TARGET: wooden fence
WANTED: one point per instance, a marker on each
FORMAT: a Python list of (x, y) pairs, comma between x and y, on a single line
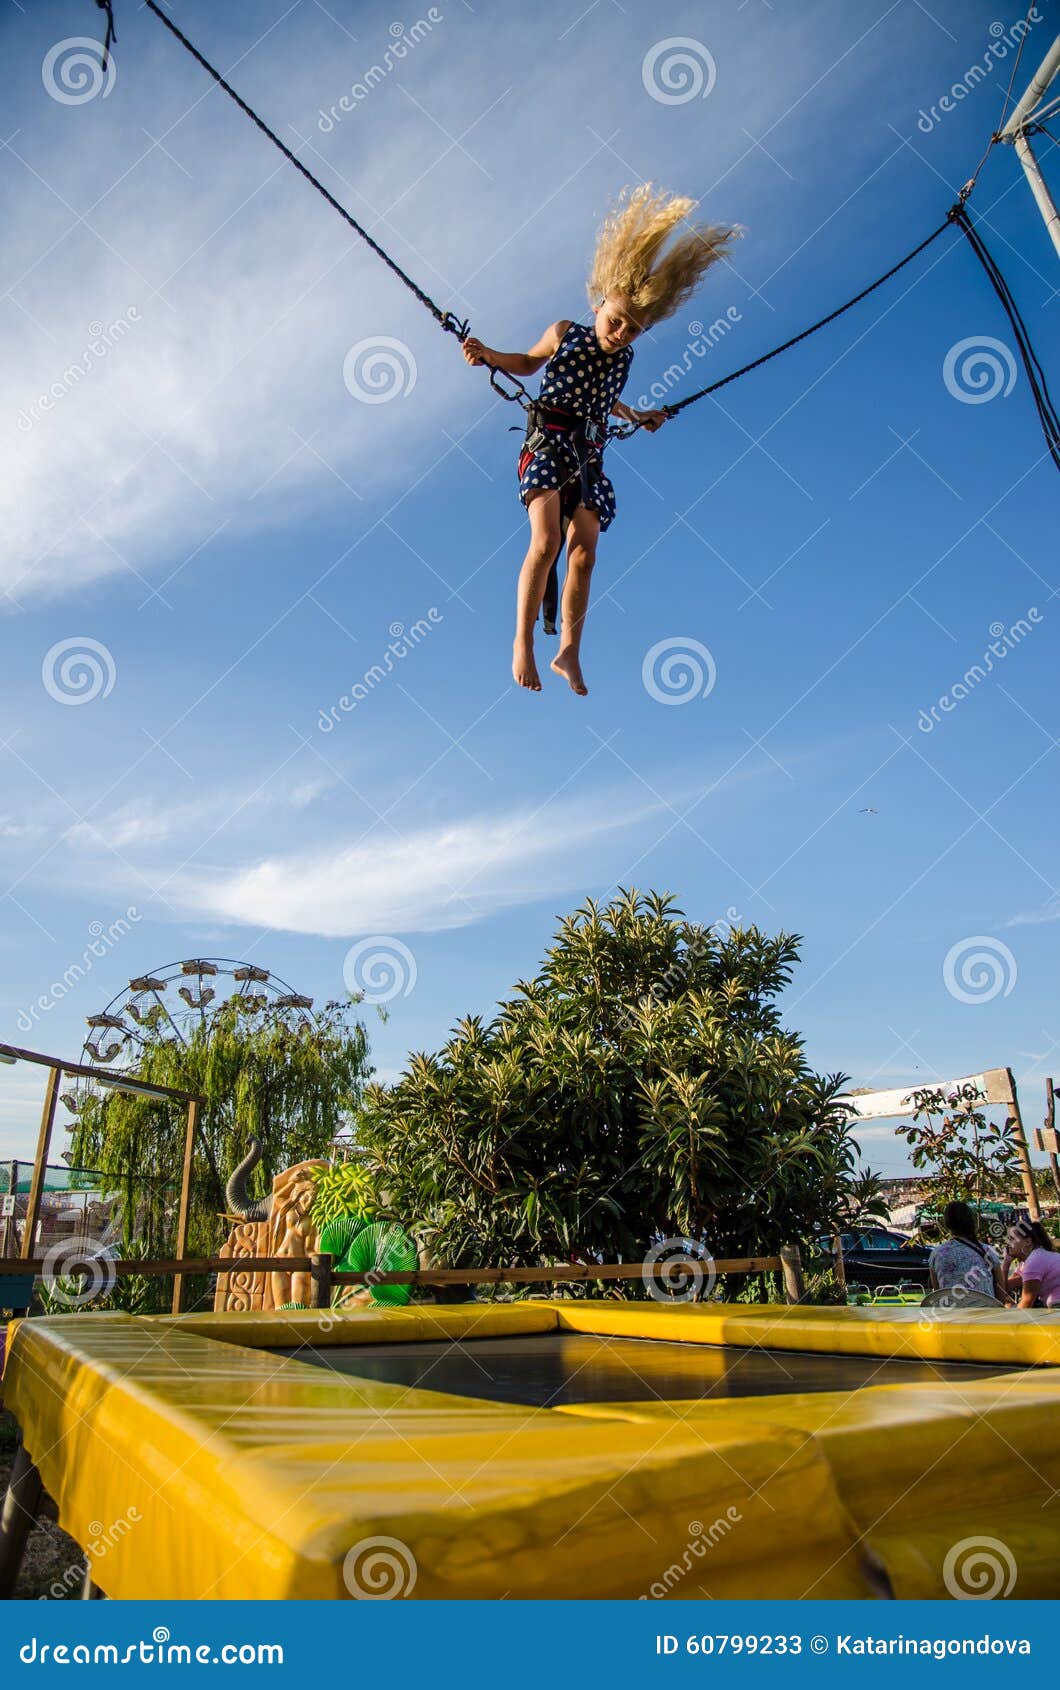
[(324, 1278)]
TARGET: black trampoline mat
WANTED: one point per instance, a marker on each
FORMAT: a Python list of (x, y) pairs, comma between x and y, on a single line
[(544, 1370)]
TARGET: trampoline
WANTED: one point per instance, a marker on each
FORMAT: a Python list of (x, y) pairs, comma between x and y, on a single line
[(573, 1448), (553, 1369)]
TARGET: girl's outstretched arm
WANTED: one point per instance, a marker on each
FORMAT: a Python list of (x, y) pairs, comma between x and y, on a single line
[(517, 363), (651, 420)]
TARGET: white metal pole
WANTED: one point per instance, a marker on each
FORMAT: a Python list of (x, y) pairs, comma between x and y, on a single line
[(1038, 84), (1014, 133), (1039, 188)]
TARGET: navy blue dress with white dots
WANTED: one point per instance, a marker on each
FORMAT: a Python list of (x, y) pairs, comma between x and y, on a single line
[(579, 377)]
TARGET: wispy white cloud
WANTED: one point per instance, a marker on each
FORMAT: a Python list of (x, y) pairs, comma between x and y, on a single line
[(429, 880), (148, 821), (1049, 911)]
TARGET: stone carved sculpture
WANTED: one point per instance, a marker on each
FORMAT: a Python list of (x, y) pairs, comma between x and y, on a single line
[(277, 1225)]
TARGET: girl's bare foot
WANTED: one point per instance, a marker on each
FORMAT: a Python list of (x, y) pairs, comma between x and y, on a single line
[(524, 669), (566, 663)]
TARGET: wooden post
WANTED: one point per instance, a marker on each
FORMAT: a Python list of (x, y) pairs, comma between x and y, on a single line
[(791, 1265), (1020, 1136), (1050, 1127), (320, 1281), (36, 1190), (185, 1203)]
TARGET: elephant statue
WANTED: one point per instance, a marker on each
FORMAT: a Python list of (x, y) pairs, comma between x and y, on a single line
[(277, 1225)]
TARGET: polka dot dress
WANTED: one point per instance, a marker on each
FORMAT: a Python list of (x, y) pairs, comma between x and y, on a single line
[(579, 377)]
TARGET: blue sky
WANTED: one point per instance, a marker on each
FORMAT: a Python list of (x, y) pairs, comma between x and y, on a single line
[(212, 504)]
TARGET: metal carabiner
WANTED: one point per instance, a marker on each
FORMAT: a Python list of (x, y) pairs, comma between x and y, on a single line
[(519, 394)]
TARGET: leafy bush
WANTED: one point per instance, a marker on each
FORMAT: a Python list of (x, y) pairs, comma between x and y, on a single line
[(346, 1188), (640, 1087), (969, 1158), (824, 1289)]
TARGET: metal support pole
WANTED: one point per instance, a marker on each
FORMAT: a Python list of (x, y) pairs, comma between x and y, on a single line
[(17, 1518), (9, 1218), (1014, 133), (1039, 188), (1035, 92)]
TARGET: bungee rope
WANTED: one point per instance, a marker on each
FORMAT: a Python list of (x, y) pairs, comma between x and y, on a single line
[(1047, 413), (958, 215), (446, 320), (111, 35), (623, 433), (515, 389)]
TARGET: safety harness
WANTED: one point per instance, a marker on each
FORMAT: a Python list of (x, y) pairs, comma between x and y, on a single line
[(546, 426)]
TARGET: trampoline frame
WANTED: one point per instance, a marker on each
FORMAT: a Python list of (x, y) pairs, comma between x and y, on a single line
[(275, 1470)]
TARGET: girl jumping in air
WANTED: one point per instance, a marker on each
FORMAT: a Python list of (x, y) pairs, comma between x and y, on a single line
[(632, 286)]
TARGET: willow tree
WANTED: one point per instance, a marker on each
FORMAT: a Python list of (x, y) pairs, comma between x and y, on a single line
[(292, 1081), (640, 1087)]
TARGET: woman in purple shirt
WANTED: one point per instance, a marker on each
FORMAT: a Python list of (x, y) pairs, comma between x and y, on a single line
[(1034, 1258)]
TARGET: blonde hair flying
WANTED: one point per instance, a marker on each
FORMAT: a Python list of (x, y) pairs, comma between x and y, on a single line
[(627, 258)]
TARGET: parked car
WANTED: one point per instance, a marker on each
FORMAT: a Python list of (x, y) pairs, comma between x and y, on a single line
[(879, 1256)]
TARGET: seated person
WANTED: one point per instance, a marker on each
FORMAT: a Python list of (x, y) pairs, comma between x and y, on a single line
[(1033, 1258), (963, 1269)]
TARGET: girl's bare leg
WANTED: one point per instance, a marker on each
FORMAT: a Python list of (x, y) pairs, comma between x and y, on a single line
[(543, 510), (582, 535)]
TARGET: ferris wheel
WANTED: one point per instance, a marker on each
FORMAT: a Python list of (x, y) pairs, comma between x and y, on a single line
[(174, 1002)]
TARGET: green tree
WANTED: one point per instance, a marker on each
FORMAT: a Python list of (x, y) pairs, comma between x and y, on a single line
[(293, 1082), (640, 1087), (968, 1157), (864, 1201)]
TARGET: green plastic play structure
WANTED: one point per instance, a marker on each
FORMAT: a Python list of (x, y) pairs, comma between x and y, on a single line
[(360, 1246)]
